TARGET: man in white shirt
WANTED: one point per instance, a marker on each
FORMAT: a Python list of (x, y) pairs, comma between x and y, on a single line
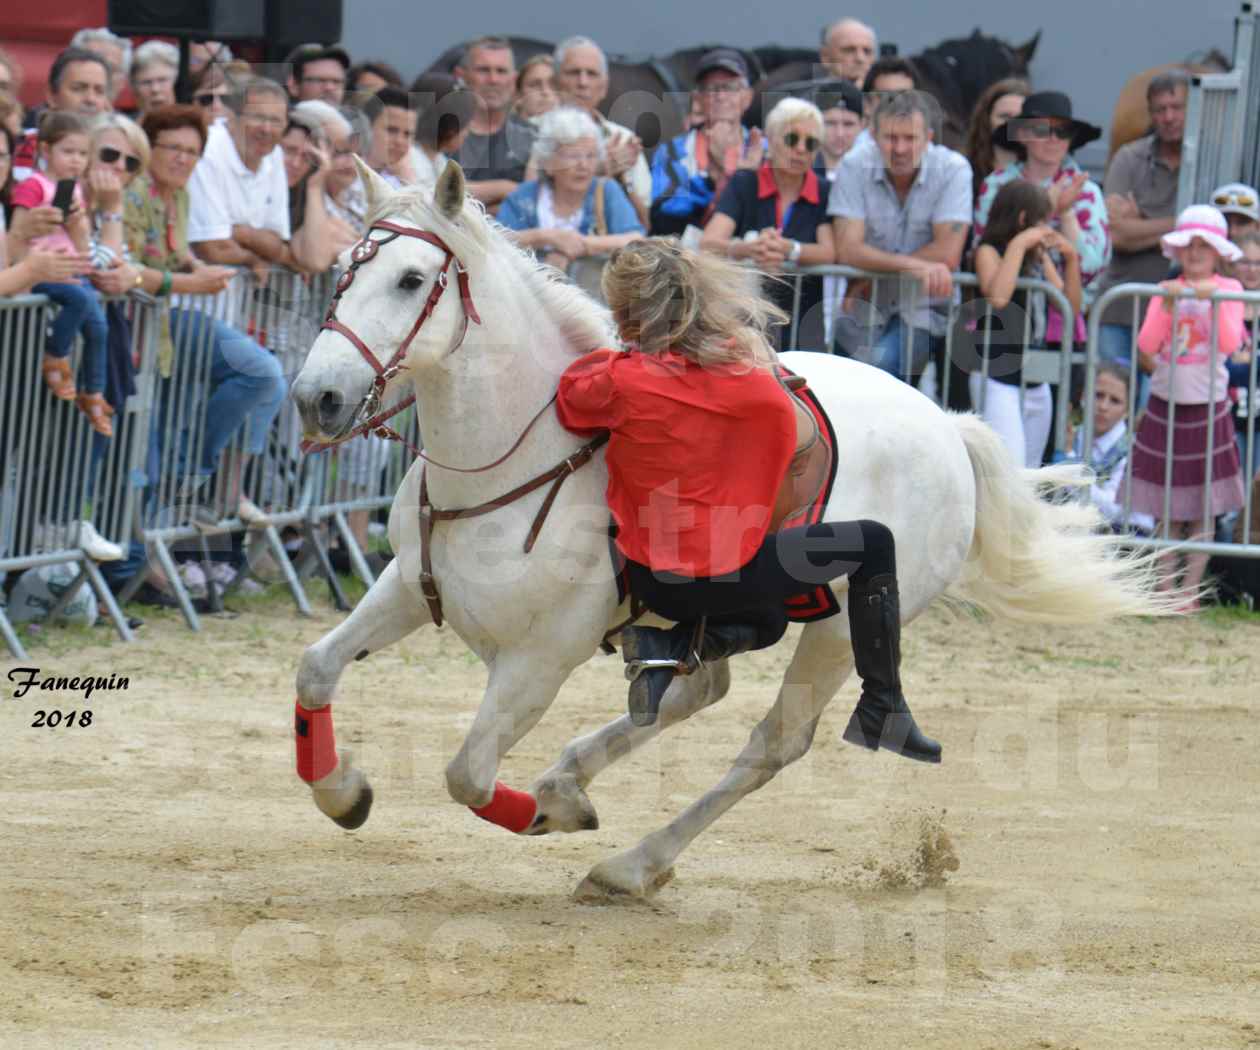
[(238, 193)]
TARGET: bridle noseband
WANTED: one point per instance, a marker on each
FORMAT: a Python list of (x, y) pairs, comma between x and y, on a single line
[(372, 418)]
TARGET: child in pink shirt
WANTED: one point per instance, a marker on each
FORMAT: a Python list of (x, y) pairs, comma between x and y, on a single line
[(63, 146), (1189, 385)]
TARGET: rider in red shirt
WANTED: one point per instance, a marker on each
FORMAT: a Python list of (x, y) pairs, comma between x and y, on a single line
[(695, 395)]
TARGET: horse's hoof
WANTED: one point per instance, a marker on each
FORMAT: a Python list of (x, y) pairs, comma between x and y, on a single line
[(562, 806), (357, 814), (603, 887)]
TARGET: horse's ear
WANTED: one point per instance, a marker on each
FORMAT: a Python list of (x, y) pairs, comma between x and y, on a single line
[(448, 195), (1026, 51), (375, 188)]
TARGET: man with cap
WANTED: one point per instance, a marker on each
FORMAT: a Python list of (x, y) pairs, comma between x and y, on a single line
[(1141, 186), (318, 72), (690, 171)]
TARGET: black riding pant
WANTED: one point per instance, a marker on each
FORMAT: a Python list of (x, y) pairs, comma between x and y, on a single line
[(788, 563)]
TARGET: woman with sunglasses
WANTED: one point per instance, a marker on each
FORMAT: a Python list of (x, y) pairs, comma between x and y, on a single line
[(1043, 137), (119, 152), (777, 215)]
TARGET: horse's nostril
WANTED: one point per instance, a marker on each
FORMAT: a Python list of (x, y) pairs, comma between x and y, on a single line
[(330, 405)]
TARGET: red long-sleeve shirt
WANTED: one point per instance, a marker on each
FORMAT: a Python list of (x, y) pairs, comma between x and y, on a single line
[(695, 458)]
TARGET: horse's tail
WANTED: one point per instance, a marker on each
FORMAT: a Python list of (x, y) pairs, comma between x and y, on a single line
[(1038, 561)]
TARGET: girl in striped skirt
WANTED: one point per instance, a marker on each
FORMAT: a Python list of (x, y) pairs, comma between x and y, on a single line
[(1188, 413)]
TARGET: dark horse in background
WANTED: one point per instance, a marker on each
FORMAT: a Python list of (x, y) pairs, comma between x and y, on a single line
[(652, 95)]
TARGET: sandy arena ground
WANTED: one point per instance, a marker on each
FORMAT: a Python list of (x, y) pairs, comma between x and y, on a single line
[(1082, 872)]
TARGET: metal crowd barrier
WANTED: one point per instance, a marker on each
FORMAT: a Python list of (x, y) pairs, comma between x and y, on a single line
[(55, 472), (1246, 408), (958, 319)]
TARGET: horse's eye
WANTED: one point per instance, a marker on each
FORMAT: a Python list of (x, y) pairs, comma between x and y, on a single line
[(410, 281)]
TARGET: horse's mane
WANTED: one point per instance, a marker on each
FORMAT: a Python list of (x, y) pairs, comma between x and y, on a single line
[(475, 236)]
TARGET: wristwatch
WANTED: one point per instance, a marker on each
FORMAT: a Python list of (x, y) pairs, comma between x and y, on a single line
[(795, 253)]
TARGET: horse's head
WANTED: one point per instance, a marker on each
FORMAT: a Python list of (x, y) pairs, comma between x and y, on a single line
[(402, 303)]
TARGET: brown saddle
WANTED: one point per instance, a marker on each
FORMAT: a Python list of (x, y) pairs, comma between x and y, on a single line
[(807, 470)]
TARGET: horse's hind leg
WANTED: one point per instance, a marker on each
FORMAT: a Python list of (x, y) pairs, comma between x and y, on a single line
[(562, 801), (822, 661), (388, 612)]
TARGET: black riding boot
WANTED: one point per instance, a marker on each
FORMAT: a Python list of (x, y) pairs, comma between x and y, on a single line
[(674, 648), (882, 717)]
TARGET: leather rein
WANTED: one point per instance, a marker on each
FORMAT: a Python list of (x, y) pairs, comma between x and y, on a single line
[(374, 419)]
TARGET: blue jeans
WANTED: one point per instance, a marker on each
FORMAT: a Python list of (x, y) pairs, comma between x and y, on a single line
[(246, 383), (81, 311), (1115, 346)]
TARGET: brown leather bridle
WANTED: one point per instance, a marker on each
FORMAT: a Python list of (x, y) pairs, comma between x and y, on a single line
[(373, 419), (375, 422)]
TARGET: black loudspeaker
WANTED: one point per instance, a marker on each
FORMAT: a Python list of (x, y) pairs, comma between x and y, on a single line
[(190, 19), (290, 23), (282, 23)]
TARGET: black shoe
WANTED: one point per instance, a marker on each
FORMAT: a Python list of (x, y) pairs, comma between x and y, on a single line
[(147, 594), (674, 646), (882, 717)]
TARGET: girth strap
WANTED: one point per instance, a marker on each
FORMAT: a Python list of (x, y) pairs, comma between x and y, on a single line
[(430, 514)]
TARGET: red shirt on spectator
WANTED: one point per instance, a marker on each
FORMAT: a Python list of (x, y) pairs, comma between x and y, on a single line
[(696, 455)]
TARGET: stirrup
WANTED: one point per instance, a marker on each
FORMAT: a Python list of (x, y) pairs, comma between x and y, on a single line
[(634, 668)]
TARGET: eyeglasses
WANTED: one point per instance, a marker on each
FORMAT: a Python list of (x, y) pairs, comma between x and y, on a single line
[(208, 98), (792, 140), (109, 155), (1234, 199), (1045, 131), (1250, 263), (182, 151), (724, 87)]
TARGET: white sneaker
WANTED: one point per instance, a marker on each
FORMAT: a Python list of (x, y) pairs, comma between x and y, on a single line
[(194, 579), (96, 546)]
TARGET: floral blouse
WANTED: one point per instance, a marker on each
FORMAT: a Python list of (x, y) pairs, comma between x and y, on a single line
[(157, 237)]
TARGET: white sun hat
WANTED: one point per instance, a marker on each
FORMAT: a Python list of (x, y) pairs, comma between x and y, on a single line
[(1239, 198), (1206, 223)]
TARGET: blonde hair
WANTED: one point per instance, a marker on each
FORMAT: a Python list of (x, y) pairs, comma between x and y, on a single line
[(129, 130), (788, 112), (703, 306)]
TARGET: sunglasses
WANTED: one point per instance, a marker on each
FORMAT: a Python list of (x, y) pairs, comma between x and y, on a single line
[(1045, 131), (1237, 200), (208, 98), (792, 140), (109, 155)]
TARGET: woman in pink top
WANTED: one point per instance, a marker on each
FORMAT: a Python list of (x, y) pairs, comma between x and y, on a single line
[(63, 147), (1189, 381)]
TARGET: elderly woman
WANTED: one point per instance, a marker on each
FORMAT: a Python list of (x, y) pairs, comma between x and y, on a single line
[(154, 68), (246, 383), (778, 214), (570, 212), (335, 208), (1043, 136)]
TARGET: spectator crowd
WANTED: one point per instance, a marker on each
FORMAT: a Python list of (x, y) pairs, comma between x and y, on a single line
[(247, 172)]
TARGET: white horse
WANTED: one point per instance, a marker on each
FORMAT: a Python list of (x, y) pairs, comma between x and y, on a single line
[(967, 523)]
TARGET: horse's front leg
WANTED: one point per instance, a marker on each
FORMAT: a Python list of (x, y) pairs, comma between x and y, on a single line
[(563, 804), (523, 684), (389, 611)]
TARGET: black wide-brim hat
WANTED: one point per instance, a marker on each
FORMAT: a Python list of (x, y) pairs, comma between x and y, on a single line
[(1040, 105)]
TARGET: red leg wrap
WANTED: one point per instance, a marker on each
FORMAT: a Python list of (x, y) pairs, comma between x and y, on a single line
[(316, 742), (509, 809)]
